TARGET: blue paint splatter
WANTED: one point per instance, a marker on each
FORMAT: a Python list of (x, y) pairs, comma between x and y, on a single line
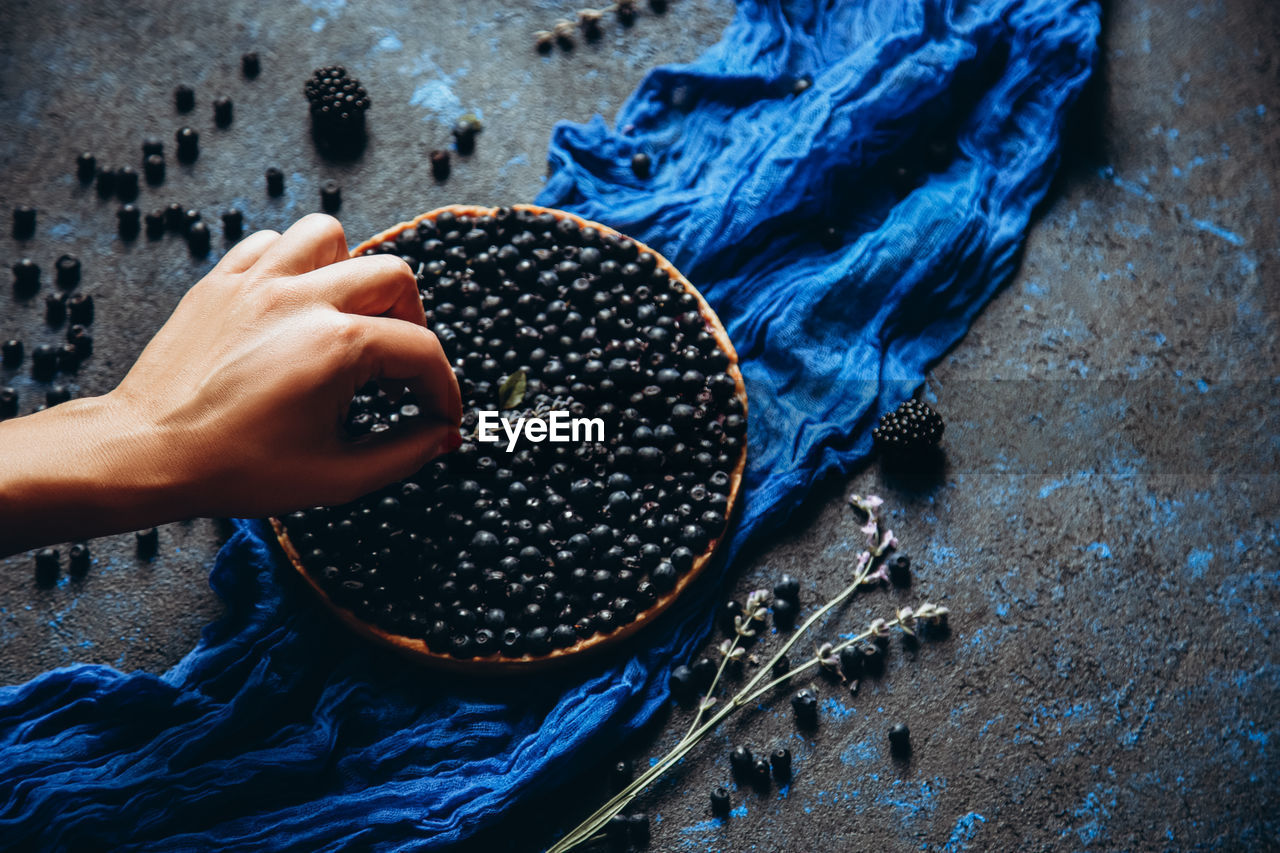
[(966, 827), (1198, 562), (1218, 231)]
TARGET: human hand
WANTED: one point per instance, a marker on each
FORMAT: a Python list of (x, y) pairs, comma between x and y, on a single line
[(240, 397)]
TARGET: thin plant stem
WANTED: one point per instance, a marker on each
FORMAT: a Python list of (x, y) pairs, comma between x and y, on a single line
[(702, 705), (593, 824)]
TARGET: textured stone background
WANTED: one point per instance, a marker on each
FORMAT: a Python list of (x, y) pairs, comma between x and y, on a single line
[(1105, 530)]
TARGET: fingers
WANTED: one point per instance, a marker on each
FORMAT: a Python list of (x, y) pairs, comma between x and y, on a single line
[(314, 241), (374, 462), (245, 254), (395, 350), (372, 285)]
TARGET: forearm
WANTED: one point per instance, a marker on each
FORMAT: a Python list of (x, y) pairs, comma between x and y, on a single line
[(82, 469)]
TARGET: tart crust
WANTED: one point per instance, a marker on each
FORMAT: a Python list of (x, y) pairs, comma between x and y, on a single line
[(497, 664)]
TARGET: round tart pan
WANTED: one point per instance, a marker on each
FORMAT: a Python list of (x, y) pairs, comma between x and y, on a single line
[(417, 649)]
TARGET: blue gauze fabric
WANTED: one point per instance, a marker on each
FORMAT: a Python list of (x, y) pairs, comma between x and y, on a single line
[(275, 732)]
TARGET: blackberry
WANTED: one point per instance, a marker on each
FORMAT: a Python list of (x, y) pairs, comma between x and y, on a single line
[(338, 104), (551, 548), (913, 427), (805, 705)]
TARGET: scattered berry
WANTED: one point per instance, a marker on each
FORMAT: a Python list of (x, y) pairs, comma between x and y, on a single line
[(184, 99), (126, 183), (67, 271), (24, 222), (128, 221), (330, 197), (805, 705), (682, 684), (250, 64), (720, 802), (801, 85), (729, 613), (464, 133), (148, 542), (784, 613), (639, 830), (154, 222), (57, 395), (641, 165), (626, 11), (760, 772), (704, 672), (741, 762), (152, 146), (68, 358), (153, 168), (900, 740), (233, 224), (910, 428), (198, 239), (78, 559), (622, 774), (900, 571), (788, 589), (8, 402), (222, 111), (44, 362), (175, 217), (188, 139), (275, 182), (86, 167), (780, 763), (105, 182), (12, 352), (48, 566), (80, 308), (55, 309), (440, 165), (26, 277)]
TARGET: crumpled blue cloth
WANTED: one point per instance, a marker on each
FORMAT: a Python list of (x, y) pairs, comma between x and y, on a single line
[(929, 132)]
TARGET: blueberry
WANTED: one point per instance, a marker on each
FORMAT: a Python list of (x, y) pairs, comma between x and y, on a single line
[(900, 740), (788, 589), (805, 705), (741, 761), (780, 762), (720, 802), (48, 566), (148, 542)]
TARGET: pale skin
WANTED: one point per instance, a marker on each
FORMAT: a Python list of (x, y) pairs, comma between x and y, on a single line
[(235, 406)]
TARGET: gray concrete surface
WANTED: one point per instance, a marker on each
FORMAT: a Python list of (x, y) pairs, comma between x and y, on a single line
[(1105, 530)]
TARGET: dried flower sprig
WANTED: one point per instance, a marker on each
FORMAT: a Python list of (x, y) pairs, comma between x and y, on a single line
[(591, 24), (869, 568)]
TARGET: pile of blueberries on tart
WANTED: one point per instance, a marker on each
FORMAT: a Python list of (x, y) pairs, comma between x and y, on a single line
[(499, 560)]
